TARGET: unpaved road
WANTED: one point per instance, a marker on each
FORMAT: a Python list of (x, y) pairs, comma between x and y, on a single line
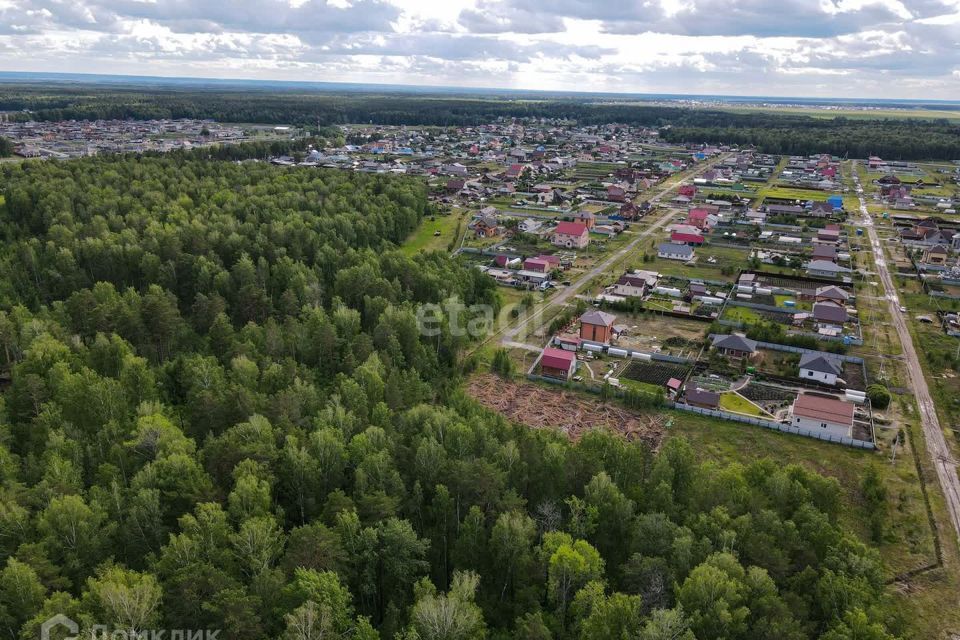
[(933, 434)]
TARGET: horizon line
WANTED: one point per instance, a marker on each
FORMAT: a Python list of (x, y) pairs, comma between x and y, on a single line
[(111, 78)]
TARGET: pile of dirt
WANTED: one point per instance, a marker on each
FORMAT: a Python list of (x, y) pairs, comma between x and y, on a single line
[(570, 413)]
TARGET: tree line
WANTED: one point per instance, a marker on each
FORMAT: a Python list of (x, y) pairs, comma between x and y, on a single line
[(899, 139), (221, 415)]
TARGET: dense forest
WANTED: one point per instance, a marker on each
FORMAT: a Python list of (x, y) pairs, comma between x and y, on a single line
[(902, 139), (221, 415)]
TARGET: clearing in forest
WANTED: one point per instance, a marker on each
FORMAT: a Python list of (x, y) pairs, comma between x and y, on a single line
[(570, 413)]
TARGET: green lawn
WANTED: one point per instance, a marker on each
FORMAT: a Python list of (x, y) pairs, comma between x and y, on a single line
[(423, 239), (733, 401), (741, 314)]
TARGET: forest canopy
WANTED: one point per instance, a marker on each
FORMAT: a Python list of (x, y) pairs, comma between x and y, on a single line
[(221, 415)]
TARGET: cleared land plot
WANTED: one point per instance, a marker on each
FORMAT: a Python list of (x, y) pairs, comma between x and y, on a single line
[(425, 238), (565, 411)]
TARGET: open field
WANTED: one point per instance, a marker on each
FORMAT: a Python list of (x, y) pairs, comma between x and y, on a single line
[(423, 239)]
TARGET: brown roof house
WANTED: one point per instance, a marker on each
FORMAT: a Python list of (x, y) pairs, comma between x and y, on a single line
[(702, 398), (735, 345), (830, 312), (597, 326), (821, 413)]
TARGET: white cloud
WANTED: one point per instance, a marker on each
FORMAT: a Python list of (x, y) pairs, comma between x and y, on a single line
[(882, 48)]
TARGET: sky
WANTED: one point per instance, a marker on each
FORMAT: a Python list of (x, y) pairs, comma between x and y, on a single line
[(807, 48)]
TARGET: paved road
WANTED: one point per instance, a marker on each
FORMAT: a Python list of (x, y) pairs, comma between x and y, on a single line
[(562, 297), (937, 445)]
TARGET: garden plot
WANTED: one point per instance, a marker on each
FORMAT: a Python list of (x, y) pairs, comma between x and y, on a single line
[(771, 398), (655, 373)]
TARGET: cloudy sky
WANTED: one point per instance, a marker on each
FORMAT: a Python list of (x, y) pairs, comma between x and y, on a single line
[(842, 48)]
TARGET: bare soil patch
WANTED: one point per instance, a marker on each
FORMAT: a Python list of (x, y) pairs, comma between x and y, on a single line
[(566, 411)]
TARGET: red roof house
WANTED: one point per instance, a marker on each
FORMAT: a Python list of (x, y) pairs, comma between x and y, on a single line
[(692, 239), (557, 363), (536, 264), (572, 235), (698, 218)]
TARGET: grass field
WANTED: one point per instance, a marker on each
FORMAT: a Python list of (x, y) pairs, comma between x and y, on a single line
[(741, 314), (423, 239), (733, 401)]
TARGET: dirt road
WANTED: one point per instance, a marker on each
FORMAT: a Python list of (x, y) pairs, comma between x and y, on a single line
[(937, 445), (564, 296)]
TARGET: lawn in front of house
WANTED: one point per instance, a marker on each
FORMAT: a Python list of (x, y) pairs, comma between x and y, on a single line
[(736, 403)]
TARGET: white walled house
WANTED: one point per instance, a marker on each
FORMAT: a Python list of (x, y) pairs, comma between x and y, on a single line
[(820, 367), (817, 413), (673, 251)]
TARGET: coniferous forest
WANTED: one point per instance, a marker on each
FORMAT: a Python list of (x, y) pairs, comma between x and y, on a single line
[(221, 415)]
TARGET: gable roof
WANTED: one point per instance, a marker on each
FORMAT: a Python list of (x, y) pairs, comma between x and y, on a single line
[(557, 358), (571, 228), (821, 363), (701, 396), (832, 292), (824, 408)]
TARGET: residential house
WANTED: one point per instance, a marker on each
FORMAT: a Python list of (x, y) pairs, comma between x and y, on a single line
[(702, 398), (597, 326), (691, 239), (831, 293), (701, 219), (536, 264), (828, 235), (572, 235), (735, 345), (825, 269), (616, 193), (820, 210), (936, 255), (557, 363), (673, 251), (825, 252), (830, 312), (820, 413), (485, 225), (630, 286), (820, 367), (784, 210), (513, 172), (455, 185), (586, 218)]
